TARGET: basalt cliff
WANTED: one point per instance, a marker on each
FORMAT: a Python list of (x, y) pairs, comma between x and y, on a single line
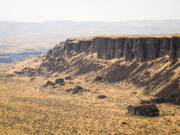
[(150, 62), (133, 47)]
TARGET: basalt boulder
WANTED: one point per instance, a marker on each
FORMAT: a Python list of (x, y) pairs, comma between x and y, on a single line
[(59, 81), (49, 83), (147, 110)]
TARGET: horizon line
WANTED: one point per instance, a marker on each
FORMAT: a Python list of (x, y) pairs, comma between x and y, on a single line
[(138, 20)]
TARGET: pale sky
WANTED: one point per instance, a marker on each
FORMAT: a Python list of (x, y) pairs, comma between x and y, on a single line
[(88, 10)]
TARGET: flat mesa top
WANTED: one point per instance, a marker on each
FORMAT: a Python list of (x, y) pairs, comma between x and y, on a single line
[(86, 38)]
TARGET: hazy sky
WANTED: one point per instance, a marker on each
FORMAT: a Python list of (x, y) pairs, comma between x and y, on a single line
[(88, 10)]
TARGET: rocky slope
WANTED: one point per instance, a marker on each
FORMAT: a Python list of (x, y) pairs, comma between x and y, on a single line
[(148, 61)]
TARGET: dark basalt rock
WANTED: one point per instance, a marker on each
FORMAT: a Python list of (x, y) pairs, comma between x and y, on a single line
[(101, 96), (141, 48), (68, 78), (98, 78), (59, 81), (175, 98), (124, 123), (71, 82), (119, 47), (174, 53), (29, 71), (77, 89), (49, 83), (128, 52), (68, 90), (143, 110), (164, 46)]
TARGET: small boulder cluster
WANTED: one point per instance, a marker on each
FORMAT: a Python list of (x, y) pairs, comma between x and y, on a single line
[(76, 90), (59, 81)]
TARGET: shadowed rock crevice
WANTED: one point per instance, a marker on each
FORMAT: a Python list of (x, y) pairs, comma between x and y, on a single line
[(119, 72), (171, 92), (88, 68)]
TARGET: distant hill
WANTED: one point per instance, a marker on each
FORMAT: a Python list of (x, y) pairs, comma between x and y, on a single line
[(71, 28), (16, 37)]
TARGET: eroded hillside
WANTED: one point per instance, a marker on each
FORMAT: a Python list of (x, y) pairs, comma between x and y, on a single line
[(95, 85), (150, 62)]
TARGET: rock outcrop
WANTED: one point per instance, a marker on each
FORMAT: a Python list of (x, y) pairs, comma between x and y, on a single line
[(159, 77), (135, 47), (78, 46), (143, 110)]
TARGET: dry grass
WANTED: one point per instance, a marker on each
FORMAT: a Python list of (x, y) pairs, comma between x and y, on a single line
[(75, 39), (27, 108)]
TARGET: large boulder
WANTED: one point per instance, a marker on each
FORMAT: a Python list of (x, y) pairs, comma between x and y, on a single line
[(143, 110)]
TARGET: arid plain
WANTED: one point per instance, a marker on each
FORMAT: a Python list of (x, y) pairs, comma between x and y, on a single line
[(28, 108)]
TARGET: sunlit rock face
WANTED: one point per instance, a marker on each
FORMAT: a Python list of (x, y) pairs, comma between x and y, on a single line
[(140, 48)]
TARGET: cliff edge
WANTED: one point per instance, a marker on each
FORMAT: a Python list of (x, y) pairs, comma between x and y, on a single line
[(130, 47), (150, 62)]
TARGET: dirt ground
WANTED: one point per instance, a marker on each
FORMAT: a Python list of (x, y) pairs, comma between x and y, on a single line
[(28, 108)]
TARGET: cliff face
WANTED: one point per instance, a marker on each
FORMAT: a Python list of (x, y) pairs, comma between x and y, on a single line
[(174, 48), (158, 78), (78, 46), (140, 48)]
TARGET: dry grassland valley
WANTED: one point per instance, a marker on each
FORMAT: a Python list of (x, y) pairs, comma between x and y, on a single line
[(98, 85)]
